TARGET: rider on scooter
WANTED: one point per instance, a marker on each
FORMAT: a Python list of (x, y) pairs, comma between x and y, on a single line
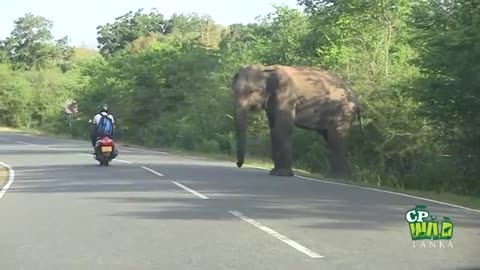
[(103, 111)]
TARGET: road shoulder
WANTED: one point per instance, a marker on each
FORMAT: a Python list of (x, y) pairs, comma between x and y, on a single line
[(9, 178), (3, 176)]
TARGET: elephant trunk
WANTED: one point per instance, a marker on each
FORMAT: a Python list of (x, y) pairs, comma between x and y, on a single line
[(240, 115)]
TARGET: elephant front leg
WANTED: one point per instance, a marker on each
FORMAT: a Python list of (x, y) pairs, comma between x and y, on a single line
[(274, 142), (281, 138)]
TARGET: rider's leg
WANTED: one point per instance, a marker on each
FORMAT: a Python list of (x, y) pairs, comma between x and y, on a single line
[(93, 138)]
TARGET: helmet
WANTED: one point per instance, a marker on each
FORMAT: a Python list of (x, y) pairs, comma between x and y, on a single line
[(103, 108)]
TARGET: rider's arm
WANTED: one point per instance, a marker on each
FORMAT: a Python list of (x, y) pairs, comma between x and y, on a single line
[(93, 123), (95, 119), (113, 120)]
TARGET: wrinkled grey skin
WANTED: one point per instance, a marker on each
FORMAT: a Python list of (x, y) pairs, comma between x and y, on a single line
[(308, 98)]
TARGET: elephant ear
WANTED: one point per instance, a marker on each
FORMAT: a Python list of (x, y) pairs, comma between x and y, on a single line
[(273, 82)]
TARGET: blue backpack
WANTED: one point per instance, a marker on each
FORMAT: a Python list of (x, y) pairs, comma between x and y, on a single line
[(105, 126)]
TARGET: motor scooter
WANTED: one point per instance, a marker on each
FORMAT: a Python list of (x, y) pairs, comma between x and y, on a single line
[(105, 149)]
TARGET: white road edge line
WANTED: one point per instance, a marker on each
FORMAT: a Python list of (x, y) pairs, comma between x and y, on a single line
[(379, 190), (78, 141), (26, 143), (4, 139), (152, 171), (394, 193), (277, 235), (196, 193), (145, 150), (123, 161), (11, 177)]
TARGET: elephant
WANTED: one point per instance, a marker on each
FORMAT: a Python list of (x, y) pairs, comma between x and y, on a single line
[(310, 98)]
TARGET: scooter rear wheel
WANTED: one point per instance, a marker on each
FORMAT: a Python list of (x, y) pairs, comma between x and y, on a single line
[(103, 162)]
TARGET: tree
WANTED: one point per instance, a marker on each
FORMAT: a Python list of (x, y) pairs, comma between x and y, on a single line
[(31, 44), (192, 27), (282, 35), (113, 37), (3, 54), (449, 43)]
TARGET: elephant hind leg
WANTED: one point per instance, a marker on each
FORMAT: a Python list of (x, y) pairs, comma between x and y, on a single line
[(324, 134), (274, 152), (338, 154)]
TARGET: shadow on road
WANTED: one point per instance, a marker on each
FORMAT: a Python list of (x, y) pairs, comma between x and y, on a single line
[(141, 194)]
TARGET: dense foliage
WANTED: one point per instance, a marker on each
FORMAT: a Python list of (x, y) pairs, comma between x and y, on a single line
[(415, 65)]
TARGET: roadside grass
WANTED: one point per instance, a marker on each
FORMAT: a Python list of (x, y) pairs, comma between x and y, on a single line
[(263, 163)]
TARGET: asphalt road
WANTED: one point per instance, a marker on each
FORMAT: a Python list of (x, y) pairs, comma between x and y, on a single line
[(152, 210)]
